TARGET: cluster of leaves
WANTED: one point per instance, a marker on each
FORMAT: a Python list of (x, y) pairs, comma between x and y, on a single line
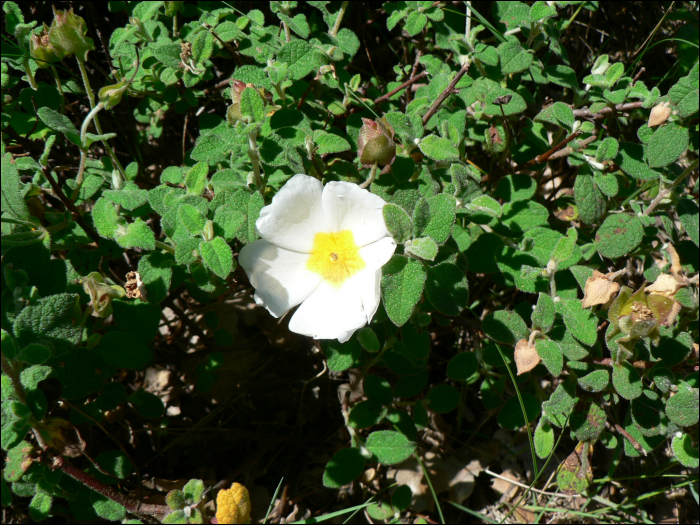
[(467, 171)]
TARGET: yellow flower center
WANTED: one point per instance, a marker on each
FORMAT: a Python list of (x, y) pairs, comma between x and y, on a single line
[(335, 257)]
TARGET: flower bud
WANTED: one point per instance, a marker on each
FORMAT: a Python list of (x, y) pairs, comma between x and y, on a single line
[(375, 144), (68, 35), (172, 7), (41, 50), (233, 113), (111, 95)]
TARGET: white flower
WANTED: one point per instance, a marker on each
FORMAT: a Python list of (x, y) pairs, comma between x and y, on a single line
[(323, 248)]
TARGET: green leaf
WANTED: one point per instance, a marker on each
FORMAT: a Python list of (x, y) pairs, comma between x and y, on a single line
[(596, 381), (124, 350), (129, 198), (217, 256), (53, 321), (175, 500), (407, 128), (564, 114), (114, 462), (447, 288), (505, 327), (227, 222), (541, 10), (341, 356), (582, 323), (631, 161), (682, 408), (298, 24), (329, 143), (191, 218), (194, 490), (61, 123), (415, 22), (301, 58), (667, 144), (607, 149), (565, 246), (443, 398), (13, 203), (688, 214), (590, 202), (378, 390), (619, 235), (514, 58), (543, 314), (156, 273), (686, 454), (484, 204), (345, 465), (106, 218), (402, 286), (587, 422), (607, 184), (524, 215), (438, 148), (40, 506), (684, 94), (365, 414), (462, 366), (138, 235), (561, 75), (434, 217), (544, 438), (389, 446), (514, 188), (196, 178), (559, 405), (626, 380), (252, 105), (34, 354), (397, 222), (146, 404), (423, 247), (551, 356), (177, 516), (368, 339)]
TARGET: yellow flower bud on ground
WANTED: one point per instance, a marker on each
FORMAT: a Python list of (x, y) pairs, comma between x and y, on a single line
[(233, 505)]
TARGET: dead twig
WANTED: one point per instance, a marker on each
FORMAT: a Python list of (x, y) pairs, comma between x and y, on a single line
[(402, 86), (446, 93)]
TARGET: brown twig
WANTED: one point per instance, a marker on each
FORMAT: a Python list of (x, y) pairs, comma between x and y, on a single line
[(604, 112), (542, 158), (569, 150), (131, 505), (639, 448), (639, 74), (70, 206), (607, 361), (446, 93), (402, 86)]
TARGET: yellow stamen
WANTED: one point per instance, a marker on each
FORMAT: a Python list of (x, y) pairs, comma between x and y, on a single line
[(335, 257)]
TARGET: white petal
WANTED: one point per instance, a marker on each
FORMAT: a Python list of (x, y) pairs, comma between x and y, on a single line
[(331, 313), (279, 276), (349, 207), (378, 253), (294, 216)]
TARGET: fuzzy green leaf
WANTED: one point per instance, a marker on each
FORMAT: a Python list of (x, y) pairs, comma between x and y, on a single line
[(544, 312), (447, 288), (434, 217), (196, 178), (40, 506), (683, 407), (607, 184), (53, 321), (544, 438), (129, 198), (684, 94), (684, 450), (607, 149), (61, 123), (462, 366), (217, 256), (389, 446), (484, 204), (345, 465), (138, 235), (402, 286), (301, 58), (619, 235), (252, 105), (514, 188), (415, 22), (505, 327), (397, 222), (551, 356), (626, 381), (156, 273), (631, 160), (329, 143), (596, 381), (423, 247), (667, 144), (106, 218), (581, 322), (438, 148), (13, 203), (688, 214), (587, 422), (590, 202), (514, 58), (191, 218), (561, 75)]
